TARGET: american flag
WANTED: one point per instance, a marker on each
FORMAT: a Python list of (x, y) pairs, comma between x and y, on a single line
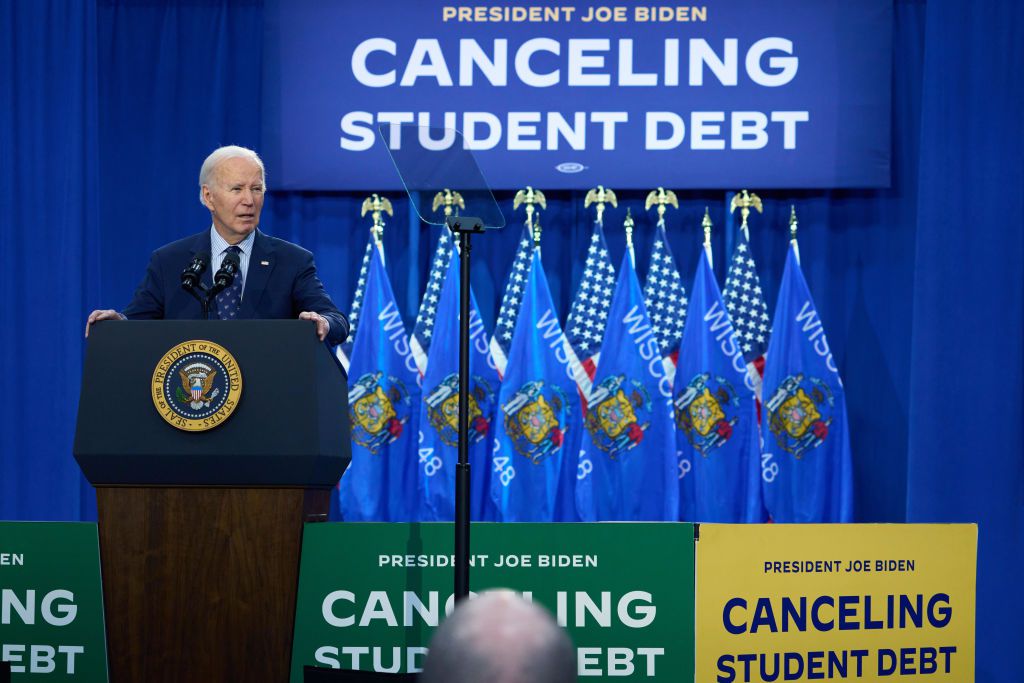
[(589, 312), (421, 335), (745, 303), (512, 301), (665, 298), (344, 350)]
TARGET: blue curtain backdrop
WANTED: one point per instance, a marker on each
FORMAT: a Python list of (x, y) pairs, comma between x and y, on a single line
[(107, 108), (49, 249), (966, 449)]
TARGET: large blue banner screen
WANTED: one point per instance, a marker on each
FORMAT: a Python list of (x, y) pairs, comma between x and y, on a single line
[(728, 93)]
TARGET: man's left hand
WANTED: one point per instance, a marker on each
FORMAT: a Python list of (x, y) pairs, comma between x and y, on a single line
[(322, 326)]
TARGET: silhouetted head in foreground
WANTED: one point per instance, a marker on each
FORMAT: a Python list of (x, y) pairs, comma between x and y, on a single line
[(499, 637)]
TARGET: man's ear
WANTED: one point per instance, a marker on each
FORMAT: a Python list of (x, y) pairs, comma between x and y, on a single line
[(207, 197)]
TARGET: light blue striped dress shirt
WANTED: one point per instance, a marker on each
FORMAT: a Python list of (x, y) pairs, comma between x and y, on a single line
[(218, 245)]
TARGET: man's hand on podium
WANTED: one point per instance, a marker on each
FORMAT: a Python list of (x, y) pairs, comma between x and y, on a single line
[(322, 325), (96, 316)]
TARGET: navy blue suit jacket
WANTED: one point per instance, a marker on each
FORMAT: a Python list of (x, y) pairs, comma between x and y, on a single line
[(281, 283)]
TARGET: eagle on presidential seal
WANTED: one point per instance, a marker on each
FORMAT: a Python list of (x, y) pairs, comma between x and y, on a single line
[(618, 414), (800, 413), (707, 412), (537, 419), (197, 386), (379, 407), (443, 409)]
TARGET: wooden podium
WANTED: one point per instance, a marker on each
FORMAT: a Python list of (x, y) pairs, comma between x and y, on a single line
[(200, 532)]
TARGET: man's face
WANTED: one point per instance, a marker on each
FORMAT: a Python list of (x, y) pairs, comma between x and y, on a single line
[(234, 196)]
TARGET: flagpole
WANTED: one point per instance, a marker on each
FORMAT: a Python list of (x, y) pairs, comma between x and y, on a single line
[(792, 233), (706, 224), (628, 225)]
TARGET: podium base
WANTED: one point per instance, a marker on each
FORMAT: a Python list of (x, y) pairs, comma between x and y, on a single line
[(199, 584)]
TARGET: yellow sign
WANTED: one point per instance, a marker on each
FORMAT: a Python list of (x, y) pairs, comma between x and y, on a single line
[(196, 385), (849, 602)]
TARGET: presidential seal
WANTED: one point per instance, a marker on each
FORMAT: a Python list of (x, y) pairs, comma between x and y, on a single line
[(707, 412), (196, 385), (800, 413)]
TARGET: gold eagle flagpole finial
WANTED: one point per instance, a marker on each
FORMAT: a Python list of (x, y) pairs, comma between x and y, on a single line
[(377, 206), (662, 198), (600, 195), (792, 232), (706, 224), (529, 197), (743, 200), (450, 200)]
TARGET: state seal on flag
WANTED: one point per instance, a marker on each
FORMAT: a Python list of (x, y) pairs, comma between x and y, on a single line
[(379, 408), (707, 412), (196, 385), (618, 414), (800, 413), (443, 409), (532, 420)]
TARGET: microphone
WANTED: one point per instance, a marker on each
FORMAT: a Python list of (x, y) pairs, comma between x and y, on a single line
[(194, 271), (229, 269)]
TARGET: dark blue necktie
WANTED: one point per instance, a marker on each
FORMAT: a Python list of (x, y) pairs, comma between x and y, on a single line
[(230, 300)]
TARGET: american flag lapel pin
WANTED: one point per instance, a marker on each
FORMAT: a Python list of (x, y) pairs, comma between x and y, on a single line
[(264, 263)]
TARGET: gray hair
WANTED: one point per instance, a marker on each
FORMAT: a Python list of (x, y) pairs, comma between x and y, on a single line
[(223, 154), (499, 637)]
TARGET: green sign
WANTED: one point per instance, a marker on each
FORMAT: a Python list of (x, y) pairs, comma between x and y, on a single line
[(51, 602), (371, 594)]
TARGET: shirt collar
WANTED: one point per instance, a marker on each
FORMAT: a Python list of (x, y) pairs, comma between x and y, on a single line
[(218, 244)]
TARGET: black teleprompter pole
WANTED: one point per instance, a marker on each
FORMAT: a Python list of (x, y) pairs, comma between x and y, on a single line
[(464, 227)]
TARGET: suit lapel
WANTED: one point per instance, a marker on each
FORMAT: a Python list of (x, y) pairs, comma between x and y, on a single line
[(261, 265)]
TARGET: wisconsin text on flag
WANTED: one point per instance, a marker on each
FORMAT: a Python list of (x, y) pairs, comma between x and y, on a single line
[(379, 484), (627, 467), (538, 426), (806, 465), (439, 411), (715, 413)]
